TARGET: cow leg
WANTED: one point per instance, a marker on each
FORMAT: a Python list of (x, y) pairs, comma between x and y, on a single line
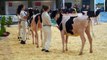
[(28, 32), (62, 36), (66, 42), (83, 42), (89, 38), (36, 39), (32, 36), (41, 37), (19, 33)]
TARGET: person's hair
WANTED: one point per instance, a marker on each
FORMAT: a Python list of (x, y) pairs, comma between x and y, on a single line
[(45, 8), (19, 9)]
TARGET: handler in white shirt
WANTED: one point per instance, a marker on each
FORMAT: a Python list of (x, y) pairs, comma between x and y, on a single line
[(46, 29), (22, 15)]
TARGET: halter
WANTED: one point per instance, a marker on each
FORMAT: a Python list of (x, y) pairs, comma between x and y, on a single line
[(28, 21), (59, 24)]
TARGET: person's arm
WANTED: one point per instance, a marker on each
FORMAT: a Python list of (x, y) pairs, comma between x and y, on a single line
[(24, 15), (48, 21)]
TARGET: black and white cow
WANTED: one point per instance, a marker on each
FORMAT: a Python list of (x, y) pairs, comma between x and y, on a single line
[(35, 24), (74, 25)]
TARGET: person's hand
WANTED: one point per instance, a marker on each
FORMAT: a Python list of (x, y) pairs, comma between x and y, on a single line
[(57, 26)]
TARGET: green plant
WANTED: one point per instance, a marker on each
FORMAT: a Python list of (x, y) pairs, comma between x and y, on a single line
[(2, 22), (9, 21), (3, 29)]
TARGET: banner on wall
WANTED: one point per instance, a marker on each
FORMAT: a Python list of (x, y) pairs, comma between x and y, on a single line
[(10, 4), (37, 3)]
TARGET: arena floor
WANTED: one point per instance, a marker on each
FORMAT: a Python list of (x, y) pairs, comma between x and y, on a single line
[(11, 49)]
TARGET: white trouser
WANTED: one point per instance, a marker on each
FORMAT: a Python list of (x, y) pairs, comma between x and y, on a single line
[(23, 30), (47, 37)]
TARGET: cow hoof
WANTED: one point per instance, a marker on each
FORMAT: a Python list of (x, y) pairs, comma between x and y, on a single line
[(36, 43), (80, 53), (91, 51), (63, 51), (66, 49), (37, 46), (41, 46), (27, 38), (18, 37)]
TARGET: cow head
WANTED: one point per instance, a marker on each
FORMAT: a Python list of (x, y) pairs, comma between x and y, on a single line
[(30, 12), (93, 14), (55, 15)]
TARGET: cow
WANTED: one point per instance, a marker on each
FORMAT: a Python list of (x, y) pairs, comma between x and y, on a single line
[(35, 24), (74, 26)]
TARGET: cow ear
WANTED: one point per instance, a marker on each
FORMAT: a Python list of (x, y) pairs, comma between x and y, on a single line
[(97, 12), (53, 14), (91, 14)]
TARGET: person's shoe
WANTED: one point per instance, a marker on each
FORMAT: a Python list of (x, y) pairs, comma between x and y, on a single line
[(19, 38), (43, 50), (47, 51), (22, 42)]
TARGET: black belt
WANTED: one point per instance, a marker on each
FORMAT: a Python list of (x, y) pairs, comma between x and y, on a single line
[(46, 25), (22, 20)]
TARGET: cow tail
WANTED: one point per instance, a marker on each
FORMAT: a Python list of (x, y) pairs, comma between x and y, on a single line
[(41, 18), (91, 27)]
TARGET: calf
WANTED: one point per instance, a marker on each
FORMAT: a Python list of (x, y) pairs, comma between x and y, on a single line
[(74, 25)]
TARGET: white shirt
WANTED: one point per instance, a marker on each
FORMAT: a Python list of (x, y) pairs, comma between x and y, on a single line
[(22, 14), (46, 18)]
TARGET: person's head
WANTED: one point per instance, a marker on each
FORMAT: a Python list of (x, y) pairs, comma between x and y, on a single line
[(46, 8), (83, 6), (75, 6), (20, 7), (60, 10), (87, 6)]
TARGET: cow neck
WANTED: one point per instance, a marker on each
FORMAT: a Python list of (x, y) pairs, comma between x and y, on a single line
[(30, 15), (59, 20)]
